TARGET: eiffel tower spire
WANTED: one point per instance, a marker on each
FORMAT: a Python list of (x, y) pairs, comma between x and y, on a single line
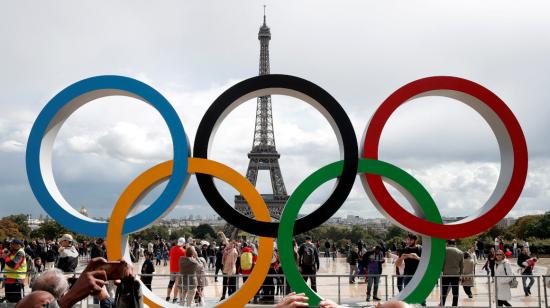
[(264, 155)]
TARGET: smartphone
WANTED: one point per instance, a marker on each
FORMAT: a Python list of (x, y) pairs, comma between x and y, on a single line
[(115, 269)]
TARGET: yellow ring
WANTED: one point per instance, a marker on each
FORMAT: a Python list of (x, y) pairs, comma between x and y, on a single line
[(160, 172)]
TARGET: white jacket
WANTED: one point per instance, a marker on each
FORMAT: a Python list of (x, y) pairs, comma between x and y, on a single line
[(503, 268)]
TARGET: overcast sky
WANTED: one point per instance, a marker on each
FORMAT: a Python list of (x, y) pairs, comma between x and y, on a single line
[(191, 51)]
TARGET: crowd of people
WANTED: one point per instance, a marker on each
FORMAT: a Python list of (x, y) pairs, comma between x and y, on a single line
[(187, 260), (459, 267)]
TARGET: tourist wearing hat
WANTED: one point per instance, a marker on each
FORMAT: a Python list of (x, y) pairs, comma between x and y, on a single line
[(68, 255), (15, 271), (176, 252)]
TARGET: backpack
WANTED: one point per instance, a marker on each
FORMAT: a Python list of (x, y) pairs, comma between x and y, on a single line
[(246, 261), (308, 258)]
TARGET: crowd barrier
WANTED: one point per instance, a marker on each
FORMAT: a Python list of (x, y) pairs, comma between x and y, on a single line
[(338, 288)]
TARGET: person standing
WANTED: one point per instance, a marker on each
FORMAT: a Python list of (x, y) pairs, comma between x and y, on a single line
[(515, 249), (68, 255), (211, 253), (247, 261), (189, 266), (352, 261), (97, 249), (219, 256), (411, 256), (176, 252), (468, 273), (452, 270), (373, 260), (229, 262), (399, 269), (147, 269), (309, 262), (503, 274), (527, 271), (327, 249), (201, 282), (480, 249), (333, 251), (15, 271)]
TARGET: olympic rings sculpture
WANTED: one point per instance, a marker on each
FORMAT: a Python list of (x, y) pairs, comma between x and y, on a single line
[(426, 221)]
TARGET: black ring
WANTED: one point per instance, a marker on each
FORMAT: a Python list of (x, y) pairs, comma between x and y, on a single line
[(301, 89)]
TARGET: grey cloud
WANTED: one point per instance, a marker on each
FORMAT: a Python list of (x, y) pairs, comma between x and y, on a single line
[(359, 52)]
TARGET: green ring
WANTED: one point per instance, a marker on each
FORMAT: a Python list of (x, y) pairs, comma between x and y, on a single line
[(414, 292)]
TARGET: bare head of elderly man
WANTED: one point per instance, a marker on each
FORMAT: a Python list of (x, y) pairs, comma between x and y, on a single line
[(52, 281), (36, 299), (393, 304)]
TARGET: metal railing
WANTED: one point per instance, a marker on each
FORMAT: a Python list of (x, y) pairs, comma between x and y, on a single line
[(338, 288)]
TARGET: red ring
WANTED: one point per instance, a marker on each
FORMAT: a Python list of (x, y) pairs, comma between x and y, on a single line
[(425, 227)]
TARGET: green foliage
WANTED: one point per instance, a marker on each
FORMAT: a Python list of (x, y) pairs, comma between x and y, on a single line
[(540, 228), (203, 231), (524, 225), (50, 230)]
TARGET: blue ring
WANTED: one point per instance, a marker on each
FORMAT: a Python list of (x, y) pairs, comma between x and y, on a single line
[(177, 181)]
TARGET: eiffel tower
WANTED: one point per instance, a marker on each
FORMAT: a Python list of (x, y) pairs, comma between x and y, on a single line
[(264, 155)]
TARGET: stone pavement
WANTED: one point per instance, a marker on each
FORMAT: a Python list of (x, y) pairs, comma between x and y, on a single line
[(354, 295)]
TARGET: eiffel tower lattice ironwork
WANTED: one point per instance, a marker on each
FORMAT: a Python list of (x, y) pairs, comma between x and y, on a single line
[(264, 155)]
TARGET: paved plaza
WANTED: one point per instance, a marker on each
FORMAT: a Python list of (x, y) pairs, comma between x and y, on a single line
[(338, 288)]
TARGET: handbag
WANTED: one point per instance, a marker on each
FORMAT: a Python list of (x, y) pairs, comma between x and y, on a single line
[(514, 282)]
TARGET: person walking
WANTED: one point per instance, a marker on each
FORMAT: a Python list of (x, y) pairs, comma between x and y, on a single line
[(468, 273), (352, 261), (452, 270), (490, 263), (503, 277), (309, 262), (526, 270), (373, 260)]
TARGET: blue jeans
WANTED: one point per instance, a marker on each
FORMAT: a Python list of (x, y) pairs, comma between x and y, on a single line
[(527, 287), (372, 284)]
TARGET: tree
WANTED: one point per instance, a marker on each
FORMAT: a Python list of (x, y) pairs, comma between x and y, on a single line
[(22, 222), (520, 227), (539, 228), (9, 229), (203, 231), (50, 230), (395, 232)]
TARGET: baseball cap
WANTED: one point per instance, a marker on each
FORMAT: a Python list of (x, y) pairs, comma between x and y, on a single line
[(181, 241), (66, 237), (16, 241)]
